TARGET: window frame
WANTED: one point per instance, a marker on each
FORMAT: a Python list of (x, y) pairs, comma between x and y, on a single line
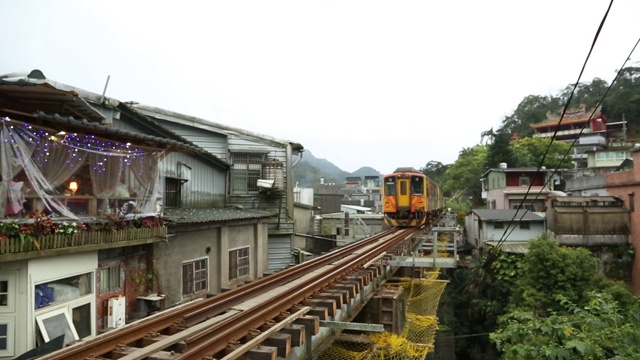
[(235, 266), (111, 272), (198, 277), (9, 350), (10, 278), (246, 169), (172, 192)]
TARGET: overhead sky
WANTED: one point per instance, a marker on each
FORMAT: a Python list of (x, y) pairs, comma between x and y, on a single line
[(360, 83)]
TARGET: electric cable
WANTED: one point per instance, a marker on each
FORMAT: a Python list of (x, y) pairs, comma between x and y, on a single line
[(564, 111)]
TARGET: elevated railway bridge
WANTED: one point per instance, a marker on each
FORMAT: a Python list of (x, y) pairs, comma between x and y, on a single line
[(379, 294)]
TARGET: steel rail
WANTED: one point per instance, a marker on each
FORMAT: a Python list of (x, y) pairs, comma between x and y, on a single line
[(213, 340), (196, 312)]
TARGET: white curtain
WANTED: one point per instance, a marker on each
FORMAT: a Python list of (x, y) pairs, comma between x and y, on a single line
[(57, 162), (17, 145)]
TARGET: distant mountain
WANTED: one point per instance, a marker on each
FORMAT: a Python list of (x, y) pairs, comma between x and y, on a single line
[(311, 169)]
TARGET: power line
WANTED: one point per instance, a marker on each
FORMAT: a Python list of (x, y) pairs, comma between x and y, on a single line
[(564, 111)]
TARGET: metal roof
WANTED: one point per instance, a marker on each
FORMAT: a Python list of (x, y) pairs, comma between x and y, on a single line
[(114, 133), (507, 215), (206, 124), (518, 169), (517, 247), (34, 86), (187, 216)]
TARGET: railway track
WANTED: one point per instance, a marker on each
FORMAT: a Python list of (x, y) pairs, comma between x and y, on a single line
[(214, 327)]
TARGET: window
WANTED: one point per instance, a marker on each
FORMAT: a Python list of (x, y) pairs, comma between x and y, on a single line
[(524, 225), (6, 342), (238, 263), (110, 279), (417, 185), (498, 225), (524, 181), (390, 186), (7, 292), (245, 172), (172, 193), (4, 293), (195, 276), (632, 200), (56, 323)]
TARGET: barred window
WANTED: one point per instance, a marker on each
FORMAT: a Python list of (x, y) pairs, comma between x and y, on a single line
[(172, 194), (239, 263), (245, 172), (110, 279), (195, 276)]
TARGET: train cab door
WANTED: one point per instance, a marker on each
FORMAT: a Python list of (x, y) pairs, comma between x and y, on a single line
[(404, 195)]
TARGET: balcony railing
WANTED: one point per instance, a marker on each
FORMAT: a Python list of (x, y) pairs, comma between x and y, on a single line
[(24, 246)]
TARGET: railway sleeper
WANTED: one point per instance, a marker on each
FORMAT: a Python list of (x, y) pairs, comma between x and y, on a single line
[(154, 338), (328, 304), (344, 294), (281, 341), (259, 352), (350, 288), (331, 296), (310, 322)]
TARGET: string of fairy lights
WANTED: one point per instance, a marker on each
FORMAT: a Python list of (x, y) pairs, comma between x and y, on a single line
[(78, 146)]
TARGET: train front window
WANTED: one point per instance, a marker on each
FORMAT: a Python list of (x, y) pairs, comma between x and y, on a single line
[(403, 188), (390, 187), (417, 185)]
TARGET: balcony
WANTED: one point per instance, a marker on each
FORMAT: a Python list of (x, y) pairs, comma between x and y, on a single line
[(26, 239)]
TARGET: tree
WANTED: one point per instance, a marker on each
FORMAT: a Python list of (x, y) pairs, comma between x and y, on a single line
[(499, 151), (529, 152), (588, 94), (624, 99), (551, 270), (435, 171), (531, 110), (463, 176), (599, 330)]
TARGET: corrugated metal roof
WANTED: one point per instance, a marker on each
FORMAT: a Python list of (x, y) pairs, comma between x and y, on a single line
[(207, 124), (579, 209), (517, 247), (114, 133), (507, 215), (186, 216), (36, 87)]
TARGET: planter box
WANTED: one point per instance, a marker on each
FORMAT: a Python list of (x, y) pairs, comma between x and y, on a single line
[(60, 241)]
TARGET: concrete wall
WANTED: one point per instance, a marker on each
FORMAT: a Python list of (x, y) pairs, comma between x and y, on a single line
[(16, 312), (212, 242), (626, 185)]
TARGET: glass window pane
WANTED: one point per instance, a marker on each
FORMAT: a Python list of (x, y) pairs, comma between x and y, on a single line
[(82, 320)]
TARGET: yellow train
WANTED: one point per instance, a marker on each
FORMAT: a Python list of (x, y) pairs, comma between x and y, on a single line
[(410, 198)]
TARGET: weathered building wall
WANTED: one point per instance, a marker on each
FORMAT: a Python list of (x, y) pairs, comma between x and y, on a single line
[(212, 242), (136, 279), (626, 185), (18, 311)]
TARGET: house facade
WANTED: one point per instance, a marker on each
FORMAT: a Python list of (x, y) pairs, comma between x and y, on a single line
[(509, 188), (137, 209), (260, 175), (510, 229), (625, 184)]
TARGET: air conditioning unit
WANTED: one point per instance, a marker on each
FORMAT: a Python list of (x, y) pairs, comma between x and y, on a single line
[(116, 312)]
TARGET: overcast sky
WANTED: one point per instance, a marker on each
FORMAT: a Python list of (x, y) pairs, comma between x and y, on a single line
[(360, 83)]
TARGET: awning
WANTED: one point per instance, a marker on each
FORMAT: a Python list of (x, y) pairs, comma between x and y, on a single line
[(515, 247)]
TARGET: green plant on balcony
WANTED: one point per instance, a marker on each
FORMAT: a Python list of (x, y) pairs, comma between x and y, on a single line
[(39, 225), (39, 228)]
